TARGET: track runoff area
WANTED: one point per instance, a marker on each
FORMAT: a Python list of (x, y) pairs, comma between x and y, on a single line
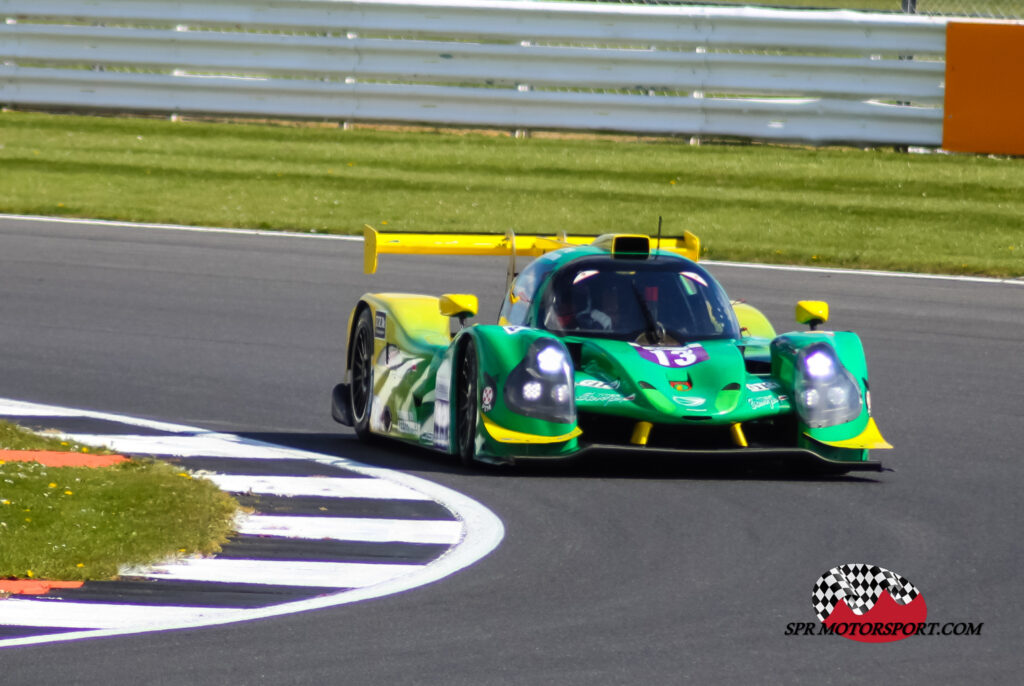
[(324, 531), (278, 564)]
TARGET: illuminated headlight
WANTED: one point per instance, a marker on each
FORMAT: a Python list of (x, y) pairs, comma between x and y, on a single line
[(826, 392), (541, 385), (819, 364), (811, 397), (550, 359), (531, 391)]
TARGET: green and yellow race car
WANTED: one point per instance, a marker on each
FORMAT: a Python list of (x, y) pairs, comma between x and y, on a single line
[(620, 343)]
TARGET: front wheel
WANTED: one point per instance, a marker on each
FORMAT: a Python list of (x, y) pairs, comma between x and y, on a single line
[(467, 403), (361, 388)]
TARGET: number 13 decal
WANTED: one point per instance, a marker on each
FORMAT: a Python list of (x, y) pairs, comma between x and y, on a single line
[(672, 357)]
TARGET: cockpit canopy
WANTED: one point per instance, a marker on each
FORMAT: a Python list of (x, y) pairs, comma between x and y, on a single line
[(655, 300)]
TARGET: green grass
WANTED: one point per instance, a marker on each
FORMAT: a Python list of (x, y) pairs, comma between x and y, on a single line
[(74, 523), (959, 214), (14, 437)]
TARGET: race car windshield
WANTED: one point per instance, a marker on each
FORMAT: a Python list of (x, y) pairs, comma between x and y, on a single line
[(655, 301)]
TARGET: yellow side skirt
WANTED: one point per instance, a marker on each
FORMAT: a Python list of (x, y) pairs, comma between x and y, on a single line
[(503, 435)]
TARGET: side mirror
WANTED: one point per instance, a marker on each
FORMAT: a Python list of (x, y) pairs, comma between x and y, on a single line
[(459, 305), (814, 313)]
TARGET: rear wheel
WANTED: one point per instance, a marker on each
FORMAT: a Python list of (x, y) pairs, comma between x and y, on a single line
[(467, 403), (361, 388)]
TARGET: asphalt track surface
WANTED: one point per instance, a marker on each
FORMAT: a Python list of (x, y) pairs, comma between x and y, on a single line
[(609, 573)]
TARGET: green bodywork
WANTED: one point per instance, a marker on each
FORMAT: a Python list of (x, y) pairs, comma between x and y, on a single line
[(749, 382)]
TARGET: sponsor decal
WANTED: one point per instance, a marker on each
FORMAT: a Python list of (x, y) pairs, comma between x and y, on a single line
[(763, 386), (685, 356), (408, 426), (488, 394), (763, 402), (380, 324), (408, 423), (513, 329), (681, 386), (604, 398), (688, 401), (595, 383)]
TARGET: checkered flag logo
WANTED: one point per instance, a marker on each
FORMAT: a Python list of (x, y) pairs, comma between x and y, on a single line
[(860, 586)]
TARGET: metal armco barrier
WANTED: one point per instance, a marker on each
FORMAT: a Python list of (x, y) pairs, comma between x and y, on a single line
[(810, 76)]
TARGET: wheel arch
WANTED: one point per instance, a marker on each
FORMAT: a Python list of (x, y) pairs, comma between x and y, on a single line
[(353, 318)]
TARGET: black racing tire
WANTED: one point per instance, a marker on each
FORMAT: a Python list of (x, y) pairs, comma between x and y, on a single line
[(361, 386), (467, 403)]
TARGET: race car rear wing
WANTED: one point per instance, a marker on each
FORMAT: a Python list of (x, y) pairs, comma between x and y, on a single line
[(376, 243)]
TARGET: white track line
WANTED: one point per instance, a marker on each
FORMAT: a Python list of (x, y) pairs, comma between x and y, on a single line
[(352, 529), (179, 227), (865, 272), (274, 572), (336, 237), (205, 444), (49, 613), (315, 486)]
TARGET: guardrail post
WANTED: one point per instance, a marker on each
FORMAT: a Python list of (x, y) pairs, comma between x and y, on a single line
[(523, 133), (698, 95), (523, 88), (908, 7)]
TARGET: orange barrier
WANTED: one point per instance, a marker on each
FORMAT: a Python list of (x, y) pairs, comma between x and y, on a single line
[(52, 458), (984, 108), (34, 586)]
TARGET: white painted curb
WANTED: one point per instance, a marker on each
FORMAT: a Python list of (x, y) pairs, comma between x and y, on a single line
[(482, 531)]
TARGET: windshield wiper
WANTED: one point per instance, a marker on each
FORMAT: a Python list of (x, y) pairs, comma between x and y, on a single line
[(655, 331)]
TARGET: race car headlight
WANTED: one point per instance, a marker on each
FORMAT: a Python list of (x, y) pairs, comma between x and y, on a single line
[(541, 385), (819, 364), (532, 390), (826, 393), (550, 359)]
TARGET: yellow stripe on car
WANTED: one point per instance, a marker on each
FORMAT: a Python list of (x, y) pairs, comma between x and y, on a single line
[(869, 439), (503, 435)]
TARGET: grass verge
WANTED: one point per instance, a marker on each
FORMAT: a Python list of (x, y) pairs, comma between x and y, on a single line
[(79, 523), (958, 214), (14, 437)]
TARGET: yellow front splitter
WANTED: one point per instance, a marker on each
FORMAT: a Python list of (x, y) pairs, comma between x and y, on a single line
[(868, 439), (503, 435)]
